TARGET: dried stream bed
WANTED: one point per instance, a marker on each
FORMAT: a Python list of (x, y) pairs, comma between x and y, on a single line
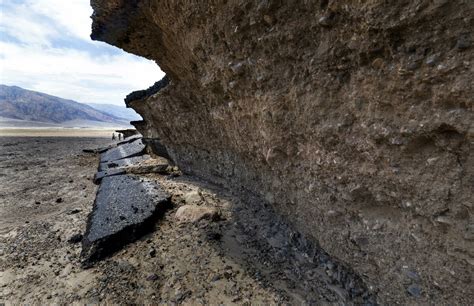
[(248, 255)]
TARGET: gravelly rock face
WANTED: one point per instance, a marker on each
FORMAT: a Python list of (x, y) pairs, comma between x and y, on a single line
[(353, 120)]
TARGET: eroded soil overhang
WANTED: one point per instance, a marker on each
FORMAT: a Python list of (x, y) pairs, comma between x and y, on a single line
[(354, 121)]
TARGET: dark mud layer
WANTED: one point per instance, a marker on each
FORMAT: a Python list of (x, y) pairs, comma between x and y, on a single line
[(253, 236)]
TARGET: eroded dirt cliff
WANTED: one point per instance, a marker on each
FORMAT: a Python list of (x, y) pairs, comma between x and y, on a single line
[(353, 119)]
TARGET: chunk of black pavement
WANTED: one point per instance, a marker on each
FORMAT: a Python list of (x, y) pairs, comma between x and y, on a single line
[(131, 149), (129, 139), (104, 149), (114, 223), (111, 172), (123, 162), (152, 277)]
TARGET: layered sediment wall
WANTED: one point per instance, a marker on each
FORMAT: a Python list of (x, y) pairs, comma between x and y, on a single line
[(353, 119)]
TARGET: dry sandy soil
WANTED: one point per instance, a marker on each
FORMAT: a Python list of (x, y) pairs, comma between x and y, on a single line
[(246, 256), (55, 132)]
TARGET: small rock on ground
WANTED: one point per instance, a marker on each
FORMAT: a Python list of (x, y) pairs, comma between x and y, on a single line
[(194, 213), (192, 197)]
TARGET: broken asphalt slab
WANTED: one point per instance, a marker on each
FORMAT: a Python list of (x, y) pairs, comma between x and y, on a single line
[(129, 139), (100, 150), (126, 207), (123, 162), (106, 173), (131, 149), (142, 164)]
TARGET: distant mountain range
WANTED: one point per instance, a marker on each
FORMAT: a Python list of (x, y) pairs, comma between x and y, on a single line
[(25, 108), (117, 111)]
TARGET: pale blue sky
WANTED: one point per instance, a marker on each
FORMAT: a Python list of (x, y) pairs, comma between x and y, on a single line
[(45, 46)]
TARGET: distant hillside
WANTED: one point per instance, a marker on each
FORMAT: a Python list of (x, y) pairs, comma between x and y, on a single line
[(117, 111), (30, 106)]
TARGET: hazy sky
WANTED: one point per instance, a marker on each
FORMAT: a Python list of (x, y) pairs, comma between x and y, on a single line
[(45, 46)]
